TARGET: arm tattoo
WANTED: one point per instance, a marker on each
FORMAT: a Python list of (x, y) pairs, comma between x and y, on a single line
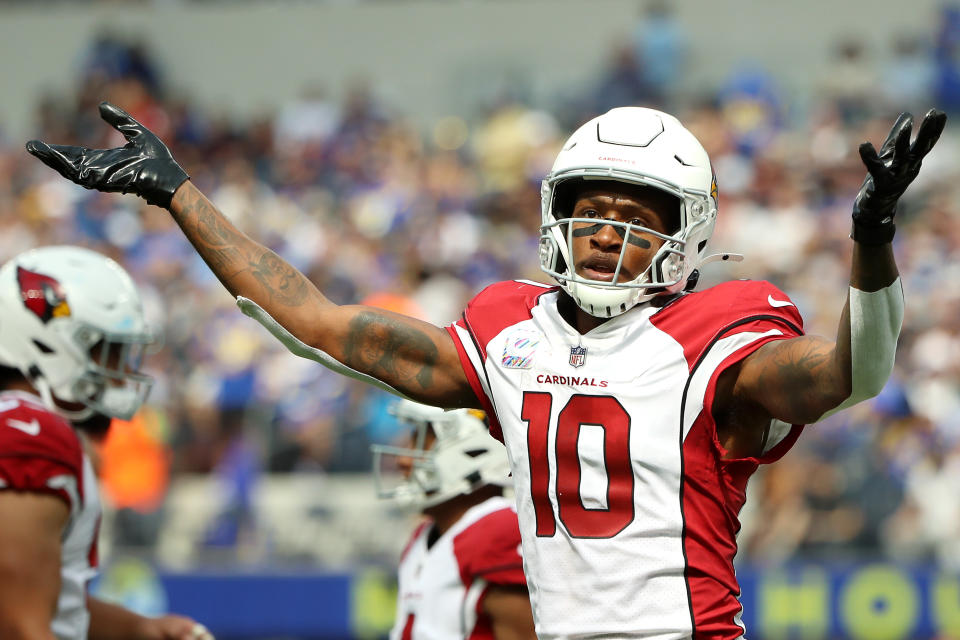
[(229, 252), (805, 373), (390, 350), (284, 283), (215, 241)]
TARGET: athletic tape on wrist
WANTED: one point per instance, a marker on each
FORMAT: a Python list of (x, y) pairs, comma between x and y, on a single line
[(300, 348), (875, 320)]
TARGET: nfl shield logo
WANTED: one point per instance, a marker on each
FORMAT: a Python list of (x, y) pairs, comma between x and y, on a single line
[(577, 356)]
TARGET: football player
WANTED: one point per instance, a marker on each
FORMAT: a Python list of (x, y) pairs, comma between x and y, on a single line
[(461, 574), (633, 408), (72, 334)]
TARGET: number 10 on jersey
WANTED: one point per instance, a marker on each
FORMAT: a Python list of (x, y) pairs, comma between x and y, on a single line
[(605, 412)]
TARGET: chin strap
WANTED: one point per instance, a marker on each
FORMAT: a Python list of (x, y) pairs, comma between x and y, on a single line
[(300, 348), (875, 320), (46, 394)]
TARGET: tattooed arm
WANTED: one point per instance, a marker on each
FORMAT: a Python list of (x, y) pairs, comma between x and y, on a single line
[(796, 380), (412, 356), (804, 379)]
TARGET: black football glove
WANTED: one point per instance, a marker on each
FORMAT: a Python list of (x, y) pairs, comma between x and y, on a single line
[(143, 166), (889, 173)]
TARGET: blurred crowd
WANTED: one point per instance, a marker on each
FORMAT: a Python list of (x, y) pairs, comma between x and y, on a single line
[(380, 212)]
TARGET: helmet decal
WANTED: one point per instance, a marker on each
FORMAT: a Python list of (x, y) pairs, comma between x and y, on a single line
[(42, 295)]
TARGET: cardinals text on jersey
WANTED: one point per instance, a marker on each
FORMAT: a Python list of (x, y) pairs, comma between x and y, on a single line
[(441, 586), (40, 451), (627, 508)]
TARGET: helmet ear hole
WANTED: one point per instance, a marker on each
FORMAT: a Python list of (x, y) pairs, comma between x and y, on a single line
[(42, 347), (662, 264)]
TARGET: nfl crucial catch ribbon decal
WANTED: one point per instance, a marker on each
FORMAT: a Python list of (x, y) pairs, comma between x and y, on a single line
[(577, 356), (519, 350)]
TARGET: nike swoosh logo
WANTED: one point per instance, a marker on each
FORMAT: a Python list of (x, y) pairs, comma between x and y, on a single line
[(773, 302), (31, 428)]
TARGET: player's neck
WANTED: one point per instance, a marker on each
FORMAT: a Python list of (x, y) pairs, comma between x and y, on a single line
[(18, 385), (446, 514), (577, 317)]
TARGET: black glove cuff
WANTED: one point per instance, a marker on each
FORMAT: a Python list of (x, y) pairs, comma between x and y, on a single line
[(873, 235), (157, 185)]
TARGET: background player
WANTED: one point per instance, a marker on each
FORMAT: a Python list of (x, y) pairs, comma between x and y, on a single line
[(461, 574), (72, 335), (633, 414)]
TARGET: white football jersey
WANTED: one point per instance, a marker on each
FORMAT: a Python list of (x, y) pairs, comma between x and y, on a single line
[(40, 452), (627, 508), (441, 585)]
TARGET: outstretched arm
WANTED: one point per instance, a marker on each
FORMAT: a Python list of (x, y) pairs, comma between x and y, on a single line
[(804, 379), (412, 357)]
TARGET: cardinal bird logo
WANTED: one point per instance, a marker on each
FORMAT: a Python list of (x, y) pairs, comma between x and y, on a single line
[(42, 295)]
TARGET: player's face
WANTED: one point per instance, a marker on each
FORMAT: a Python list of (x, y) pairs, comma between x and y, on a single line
[(405, 463), (597, 247), (109, 356)]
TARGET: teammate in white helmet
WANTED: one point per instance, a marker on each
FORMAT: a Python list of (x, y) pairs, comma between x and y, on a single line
[(461, 574), (72, 335), (633, 408)]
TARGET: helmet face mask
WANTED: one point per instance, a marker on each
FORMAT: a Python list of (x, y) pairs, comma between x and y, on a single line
[(634, 146), (112, 384), (72, 323), (450, 454)]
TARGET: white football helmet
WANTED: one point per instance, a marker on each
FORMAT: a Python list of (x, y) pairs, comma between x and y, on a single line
[(72, 322), (639, 146), (463, 458)]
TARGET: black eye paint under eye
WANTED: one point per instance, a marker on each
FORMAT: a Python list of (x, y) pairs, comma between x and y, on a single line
[(634, 239)]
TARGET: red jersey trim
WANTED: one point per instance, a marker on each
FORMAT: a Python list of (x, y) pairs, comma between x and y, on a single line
[(413, 539), (473, 378), (33, 474), (505, 574), (701, 614), (488, 549), (495, 308), (407, 633), (55, 440), (489, 309)]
